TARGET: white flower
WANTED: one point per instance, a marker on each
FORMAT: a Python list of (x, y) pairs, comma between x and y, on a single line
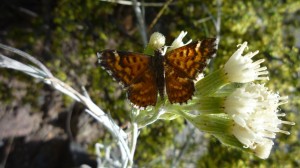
[(262, 146), (178, 41), (255, 112), (242, 69), (157, 40), (263, 149)]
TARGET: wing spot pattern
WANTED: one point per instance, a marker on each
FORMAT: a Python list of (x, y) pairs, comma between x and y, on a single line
[(140, 75)]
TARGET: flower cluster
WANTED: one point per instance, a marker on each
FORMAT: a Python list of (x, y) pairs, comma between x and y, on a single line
[(231, 106), (242, 69), (252, 108)]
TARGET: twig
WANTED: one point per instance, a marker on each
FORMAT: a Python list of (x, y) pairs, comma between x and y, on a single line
[(141, 22), (7, 151), (184, 147), (45, 75), (218, 22), (204, 20), (27, 56), (159, 15), (146, 4), (6, 62), (107, 158), (134, 137), (95, 111), (68, 123)]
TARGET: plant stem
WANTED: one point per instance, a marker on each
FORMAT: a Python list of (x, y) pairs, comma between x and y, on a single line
[(134, 137)]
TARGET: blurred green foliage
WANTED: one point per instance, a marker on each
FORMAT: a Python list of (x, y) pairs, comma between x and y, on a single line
[(66, 35)]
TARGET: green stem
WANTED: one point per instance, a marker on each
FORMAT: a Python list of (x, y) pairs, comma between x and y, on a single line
[(148, 117), (148, 121), (231, 140), (219, 125), (211, 83), (206, 105), (210, 123)]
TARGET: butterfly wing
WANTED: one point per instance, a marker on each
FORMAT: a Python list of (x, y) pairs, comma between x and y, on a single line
[(143, 91), (179, 87), (182, 65), (133, 71), (192, 58)]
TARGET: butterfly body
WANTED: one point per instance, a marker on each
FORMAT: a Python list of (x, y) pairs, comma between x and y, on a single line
[(146, 76), (158, 68)]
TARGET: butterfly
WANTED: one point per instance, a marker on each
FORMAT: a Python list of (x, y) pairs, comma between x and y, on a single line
[(146, 76)]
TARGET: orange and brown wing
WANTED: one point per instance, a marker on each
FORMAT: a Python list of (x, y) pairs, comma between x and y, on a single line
[(124, 67), (182, 65), (143, 91), (191, 59), (133, 71), (179, 87)]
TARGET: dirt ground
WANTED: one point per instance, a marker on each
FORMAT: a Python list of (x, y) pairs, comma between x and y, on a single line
[(49, 137)]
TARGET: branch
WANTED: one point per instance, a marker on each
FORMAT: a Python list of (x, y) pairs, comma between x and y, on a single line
[(29, 57), (159, 14), (141, 21), (41, 72), (145, 4)]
